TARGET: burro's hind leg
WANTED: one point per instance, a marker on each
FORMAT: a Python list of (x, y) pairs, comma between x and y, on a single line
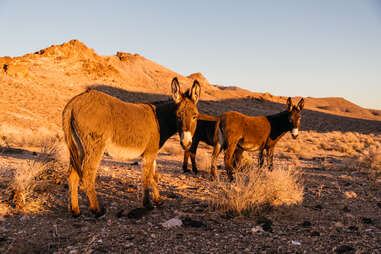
[(229, 159), (149, 179), (73, 181), (270, 158), (237, 158), (90, 168), (156, 195), (216, 151)]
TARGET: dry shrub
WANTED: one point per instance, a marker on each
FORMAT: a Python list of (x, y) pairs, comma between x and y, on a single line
[(371, 158), (24, 184), (20, 137), (254, 189), (37, 176)]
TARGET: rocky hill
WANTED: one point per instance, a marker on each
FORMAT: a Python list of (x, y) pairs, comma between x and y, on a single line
[(35, 87)]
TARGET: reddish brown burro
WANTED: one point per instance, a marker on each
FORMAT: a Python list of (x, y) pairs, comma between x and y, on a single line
[(236, 132)]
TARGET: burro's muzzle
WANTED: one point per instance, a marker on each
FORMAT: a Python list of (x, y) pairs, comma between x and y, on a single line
[(295, 133), (186, 140)]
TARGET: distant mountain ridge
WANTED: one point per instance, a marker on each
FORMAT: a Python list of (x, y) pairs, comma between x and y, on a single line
[(35, 87)]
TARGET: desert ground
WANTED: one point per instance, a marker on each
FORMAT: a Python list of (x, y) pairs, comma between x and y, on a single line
[(323, 196)]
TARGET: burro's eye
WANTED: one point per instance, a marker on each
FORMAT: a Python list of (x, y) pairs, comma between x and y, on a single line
[(194, 117)]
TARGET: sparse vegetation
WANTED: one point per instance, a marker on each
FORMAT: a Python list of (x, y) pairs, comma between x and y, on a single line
[(37, 175), (255, 188)]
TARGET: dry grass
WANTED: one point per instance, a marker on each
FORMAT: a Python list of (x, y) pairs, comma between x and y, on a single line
[(254, 189), (24, 184), (20, 137), (36, 176), (371, 158)]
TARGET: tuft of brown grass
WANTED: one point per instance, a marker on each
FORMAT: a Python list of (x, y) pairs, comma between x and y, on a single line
[(24, 184), (254, 189), (371, 158), (37, 176)]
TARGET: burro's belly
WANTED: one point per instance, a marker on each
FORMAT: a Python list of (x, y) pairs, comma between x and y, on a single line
[(124, 152), (248, 146)]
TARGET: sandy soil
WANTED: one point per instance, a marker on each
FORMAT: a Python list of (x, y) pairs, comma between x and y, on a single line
[(327, 221)]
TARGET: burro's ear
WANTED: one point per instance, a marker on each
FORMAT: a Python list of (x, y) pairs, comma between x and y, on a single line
[(301, 104), (195, 91), (177, 95), (289, 104)]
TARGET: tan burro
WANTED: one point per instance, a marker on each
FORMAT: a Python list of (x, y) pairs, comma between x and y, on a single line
[(94, 122)]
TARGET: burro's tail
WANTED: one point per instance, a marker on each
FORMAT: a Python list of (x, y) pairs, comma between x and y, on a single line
[(218, 133), (73, 141)]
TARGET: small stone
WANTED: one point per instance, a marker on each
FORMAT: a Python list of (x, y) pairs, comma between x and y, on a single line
[(306, 224), (265, 223), (188, 222), (129, 245), (315, 233), (257, 229), (136, 213), (339, 224), (343, 249), (85, 229), (366, 220), (350, 194), (174, 222)]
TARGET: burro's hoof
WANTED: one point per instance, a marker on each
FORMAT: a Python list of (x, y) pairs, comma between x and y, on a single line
[(99, 213), (148, 205), (75, 214), (158, 203)]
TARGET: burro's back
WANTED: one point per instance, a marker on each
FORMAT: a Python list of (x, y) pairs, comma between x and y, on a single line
[(94, 122)]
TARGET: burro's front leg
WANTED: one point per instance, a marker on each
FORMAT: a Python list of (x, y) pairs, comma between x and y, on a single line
[(185, 161)]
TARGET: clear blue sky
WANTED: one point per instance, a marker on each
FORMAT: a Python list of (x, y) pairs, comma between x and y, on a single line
[(326, 48)]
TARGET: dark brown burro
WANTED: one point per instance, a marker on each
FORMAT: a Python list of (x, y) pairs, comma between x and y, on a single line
[(204, 132), (94, 122), (236, 132)]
